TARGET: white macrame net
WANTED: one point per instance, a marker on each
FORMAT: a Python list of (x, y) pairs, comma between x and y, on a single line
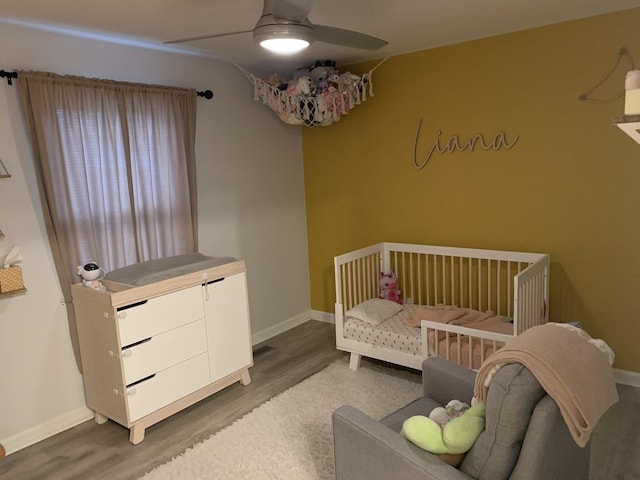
[(314, 110)]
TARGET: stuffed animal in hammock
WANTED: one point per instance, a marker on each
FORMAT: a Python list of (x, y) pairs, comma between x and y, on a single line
[(388, 287)]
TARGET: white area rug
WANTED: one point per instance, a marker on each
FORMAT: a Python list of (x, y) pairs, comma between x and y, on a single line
[(290, 436)]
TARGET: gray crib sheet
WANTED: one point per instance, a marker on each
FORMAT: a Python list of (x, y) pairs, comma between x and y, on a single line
[(144, 273)]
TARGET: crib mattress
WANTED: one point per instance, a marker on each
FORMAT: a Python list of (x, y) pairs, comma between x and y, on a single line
[(395, 334), (392, 333)]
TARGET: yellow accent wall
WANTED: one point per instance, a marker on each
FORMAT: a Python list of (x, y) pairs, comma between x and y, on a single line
[(569, 187)]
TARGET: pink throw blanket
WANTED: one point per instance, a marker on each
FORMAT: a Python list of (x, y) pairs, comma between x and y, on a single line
[(467, 350), (575, 372), (446, 314)]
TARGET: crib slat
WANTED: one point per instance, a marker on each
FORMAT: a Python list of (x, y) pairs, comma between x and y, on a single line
[(428, 279), (404, 268), (509, 283), (348, 293), (437, 295), (488, 293), (419, 267), (498, 288), (479, 284)]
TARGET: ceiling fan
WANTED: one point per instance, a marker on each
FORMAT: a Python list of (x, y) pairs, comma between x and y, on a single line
[(284, 28)]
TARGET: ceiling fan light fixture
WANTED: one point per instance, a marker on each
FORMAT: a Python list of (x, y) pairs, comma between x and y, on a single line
[(283, 39), (284, 46)]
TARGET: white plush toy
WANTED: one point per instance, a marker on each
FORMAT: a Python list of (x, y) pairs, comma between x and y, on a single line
[(301, 86), (453, 409), (347, 79), (91, 275)]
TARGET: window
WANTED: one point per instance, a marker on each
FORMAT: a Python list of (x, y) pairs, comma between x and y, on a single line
[(118, 168), (116, 172)]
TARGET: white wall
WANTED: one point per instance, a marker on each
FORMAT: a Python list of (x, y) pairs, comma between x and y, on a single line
[(251, 206)]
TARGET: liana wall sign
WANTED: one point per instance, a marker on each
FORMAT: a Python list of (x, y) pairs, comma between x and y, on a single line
[(455, 144)]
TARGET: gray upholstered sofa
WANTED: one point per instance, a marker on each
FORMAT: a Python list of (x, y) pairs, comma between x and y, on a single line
[(525, 438)]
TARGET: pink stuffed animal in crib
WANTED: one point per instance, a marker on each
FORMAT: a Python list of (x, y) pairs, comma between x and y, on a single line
[(388, 287)]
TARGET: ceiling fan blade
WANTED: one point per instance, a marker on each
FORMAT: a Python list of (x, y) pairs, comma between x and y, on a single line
[(203, 37), (347, 38), (294, 10)]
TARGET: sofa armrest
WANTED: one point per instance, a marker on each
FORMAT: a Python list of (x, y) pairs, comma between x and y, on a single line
[(367, 449), (443, 380)]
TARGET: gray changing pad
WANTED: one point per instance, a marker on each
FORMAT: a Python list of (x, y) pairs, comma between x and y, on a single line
[(144, 273)]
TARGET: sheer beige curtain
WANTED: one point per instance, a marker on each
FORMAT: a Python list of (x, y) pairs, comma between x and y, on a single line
[(116, 171)]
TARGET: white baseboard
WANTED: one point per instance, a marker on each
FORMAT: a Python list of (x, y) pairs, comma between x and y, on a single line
[(627, 377), (323, 316), (47, 429), (281, 327)]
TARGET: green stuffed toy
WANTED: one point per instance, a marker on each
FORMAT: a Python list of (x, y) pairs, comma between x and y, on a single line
[(456, 437)]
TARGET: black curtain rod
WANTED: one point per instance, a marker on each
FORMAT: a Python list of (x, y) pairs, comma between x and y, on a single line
[(8, 75), (208, 94)]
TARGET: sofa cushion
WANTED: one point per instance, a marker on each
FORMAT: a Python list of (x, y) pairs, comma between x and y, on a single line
[(513, 394)]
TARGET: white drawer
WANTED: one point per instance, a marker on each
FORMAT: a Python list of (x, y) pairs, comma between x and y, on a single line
[(164, 350), (160, 314), (167, 386)]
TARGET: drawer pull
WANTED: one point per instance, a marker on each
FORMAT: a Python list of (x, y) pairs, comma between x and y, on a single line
[(140, 381), (137, 304), (131, 392), (134, 344), (206, 287)]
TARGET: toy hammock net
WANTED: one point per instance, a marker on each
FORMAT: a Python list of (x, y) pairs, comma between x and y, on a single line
[(295, 103)]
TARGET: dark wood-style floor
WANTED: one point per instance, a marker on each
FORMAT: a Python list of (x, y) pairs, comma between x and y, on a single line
[(96, 452)]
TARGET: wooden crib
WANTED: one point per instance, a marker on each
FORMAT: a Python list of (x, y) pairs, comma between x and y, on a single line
[(513, 286)]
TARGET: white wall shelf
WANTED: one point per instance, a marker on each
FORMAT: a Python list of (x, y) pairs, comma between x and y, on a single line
[(629, 124)]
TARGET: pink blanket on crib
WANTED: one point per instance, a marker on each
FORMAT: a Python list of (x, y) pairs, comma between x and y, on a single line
[(451, 315), (465, 350)]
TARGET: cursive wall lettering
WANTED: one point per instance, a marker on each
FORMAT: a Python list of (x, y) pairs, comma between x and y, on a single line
[(456, 145)]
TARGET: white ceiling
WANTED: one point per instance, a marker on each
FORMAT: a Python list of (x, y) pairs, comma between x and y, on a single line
[(408, 25)]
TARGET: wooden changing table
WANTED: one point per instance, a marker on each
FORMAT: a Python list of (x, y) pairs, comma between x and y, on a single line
[(151, 350)]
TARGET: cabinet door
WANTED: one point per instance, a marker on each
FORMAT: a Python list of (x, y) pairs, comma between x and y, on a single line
[(227, 320)]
